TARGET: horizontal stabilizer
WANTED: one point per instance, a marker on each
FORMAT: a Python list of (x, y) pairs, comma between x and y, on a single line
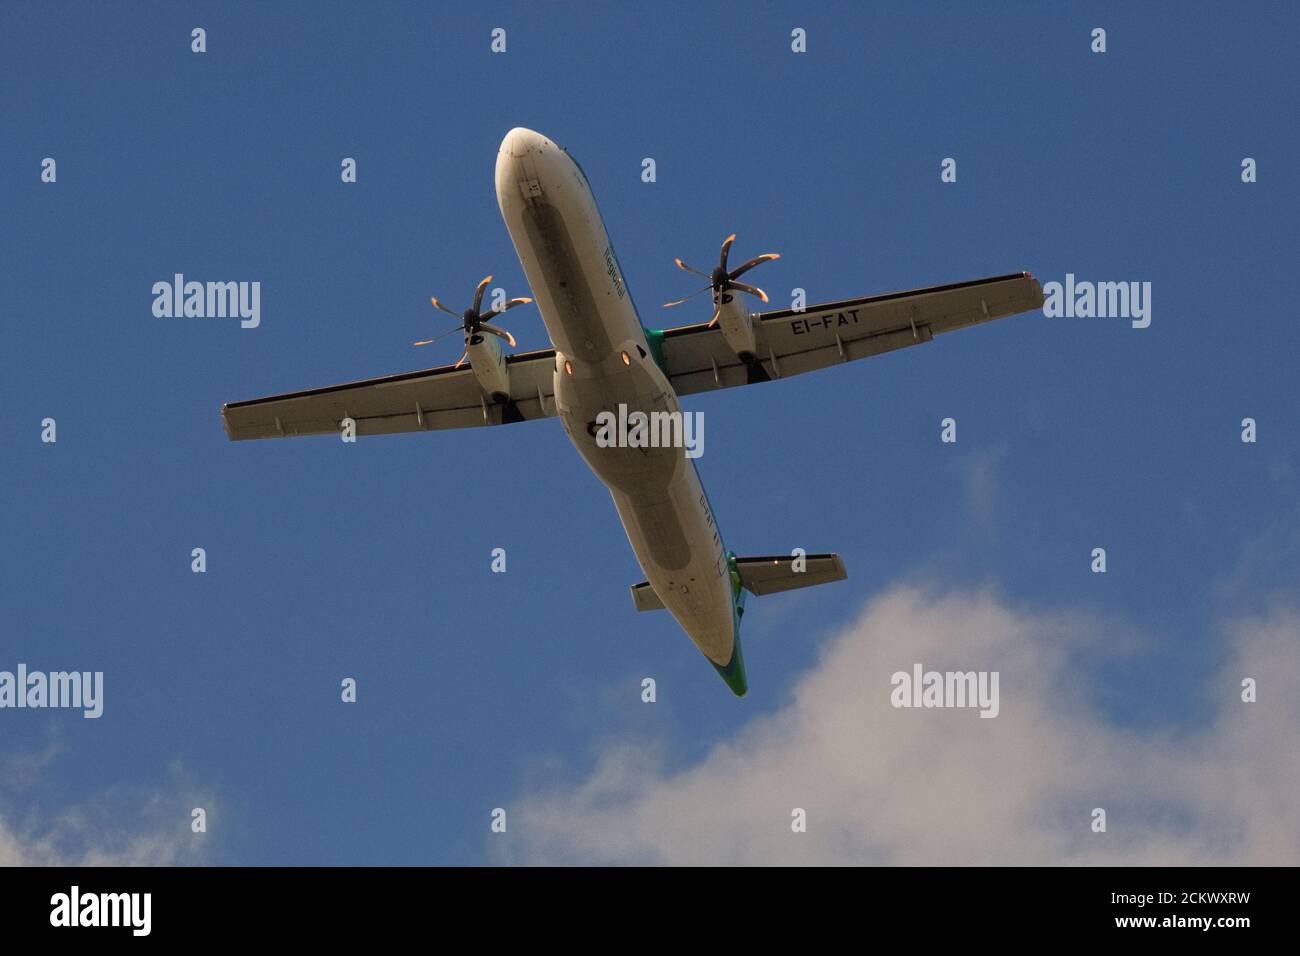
[(778, 573), (645, 598), (764, 575)]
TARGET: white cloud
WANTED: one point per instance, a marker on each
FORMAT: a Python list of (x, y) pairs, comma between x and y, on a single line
[(121, 826), (886, 785)]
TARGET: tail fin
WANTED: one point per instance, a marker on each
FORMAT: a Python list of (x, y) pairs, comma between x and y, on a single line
[(764, 575)]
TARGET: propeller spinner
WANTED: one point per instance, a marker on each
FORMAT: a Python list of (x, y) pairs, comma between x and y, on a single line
[(472, 320), (720, 280)]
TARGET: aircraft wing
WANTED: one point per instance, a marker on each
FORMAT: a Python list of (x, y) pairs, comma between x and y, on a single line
[(443, 397), (698, 358)]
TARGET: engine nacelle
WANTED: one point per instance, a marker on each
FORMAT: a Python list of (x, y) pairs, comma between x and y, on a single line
[(487, 358), (737, 324)]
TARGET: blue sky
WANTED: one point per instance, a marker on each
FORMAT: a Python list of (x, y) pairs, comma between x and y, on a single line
[(372, 561)]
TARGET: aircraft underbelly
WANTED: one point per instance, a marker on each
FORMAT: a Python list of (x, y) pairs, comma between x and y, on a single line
[(602, 363), (683, 559)]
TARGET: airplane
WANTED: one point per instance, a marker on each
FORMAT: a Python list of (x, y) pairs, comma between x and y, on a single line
[(603, 358)]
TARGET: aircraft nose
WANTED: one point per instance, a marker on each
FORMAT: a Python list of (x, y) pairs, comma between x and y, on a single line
[(520, 142)]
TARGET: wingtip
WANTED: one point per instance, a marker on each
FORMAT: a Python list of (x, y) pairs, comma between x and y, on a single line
[(225, 423)]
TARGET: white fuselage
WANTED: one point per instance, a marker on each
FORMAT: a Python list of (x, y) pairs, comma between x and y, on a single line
[(578, 285)]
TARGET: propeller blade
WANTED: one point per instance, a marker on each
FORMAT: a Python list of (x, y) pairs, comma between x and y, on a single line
[(682, 265), (751, 289), (509, 305), (499, 333), (765, 257), (478, 293), (461, 361), (726, 248), (439, 305), (438, 338), (669, 305), (717, 314)]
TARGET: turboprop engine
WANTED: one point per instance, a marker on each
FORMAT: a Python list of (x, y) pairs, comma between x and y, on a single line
[(730, 313), (483, 349)]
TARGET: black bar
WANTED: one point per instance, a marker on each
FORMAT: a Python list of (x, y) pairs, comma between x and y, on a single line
[(923, 905)]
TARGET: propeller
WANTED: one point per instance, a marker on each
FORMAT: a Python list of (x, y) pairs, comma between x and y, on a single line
[(472, 320), (720, 280)]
